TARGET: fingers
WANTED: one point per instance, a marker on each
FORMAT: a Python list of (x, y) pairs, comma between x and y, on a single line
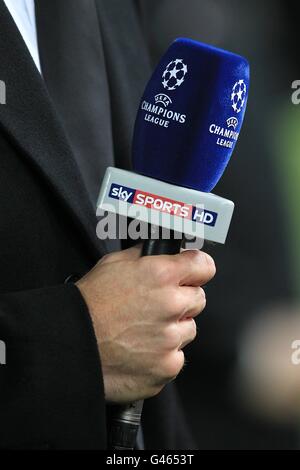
[(195, 301), (188, 332), (189, 268), (169, 367), (180, 334), (195, 268), (176, 337)]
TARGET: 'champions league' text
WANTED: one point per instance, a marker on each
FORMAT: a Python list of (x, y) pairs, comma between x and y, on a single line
[(160, 116)]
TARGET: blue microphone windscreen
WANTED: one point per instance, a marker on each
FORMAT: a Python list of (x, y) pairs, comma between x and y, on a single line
[(191, 115)]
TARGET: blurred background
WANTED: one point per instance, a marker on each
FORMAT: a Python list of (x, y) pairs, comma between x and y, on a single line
[(241, 388)]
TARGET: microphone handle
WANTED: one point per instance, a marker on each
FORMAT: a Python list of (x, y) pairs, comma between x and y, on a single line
[(153, 247), (126, 419)]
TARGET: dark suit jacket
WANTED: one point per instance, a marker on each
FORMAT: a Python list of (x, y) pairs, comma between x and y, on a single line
[(51, 390)]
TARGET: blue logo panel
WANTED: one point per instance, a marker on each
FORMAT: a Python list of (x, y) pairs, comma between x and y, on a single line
[(122, 193)]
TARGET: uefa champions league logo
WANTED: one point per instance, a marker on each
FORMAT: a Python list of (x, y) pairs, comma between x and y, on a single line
[(174, 75), (232, 122), (238, 96)]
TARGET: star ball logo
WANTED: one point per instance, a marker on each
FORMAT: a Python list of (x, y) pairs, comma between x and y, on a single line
[(174, 74), (238, 96)]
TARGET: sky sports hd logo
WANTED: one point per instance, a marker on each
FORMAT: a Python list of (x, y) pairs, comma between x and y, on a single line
[(162, 204)]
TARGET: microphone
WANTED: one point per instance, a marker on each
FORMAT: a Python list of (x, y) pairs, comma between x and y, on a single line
[(187, 126)]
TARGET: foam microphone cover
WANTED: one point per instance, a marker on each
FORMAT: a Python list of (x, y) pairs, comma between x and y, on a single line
[(191, 115)]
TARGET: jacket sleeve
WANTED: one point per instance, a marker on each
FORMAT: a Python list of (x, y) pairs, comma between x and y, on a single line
[(51, 387)]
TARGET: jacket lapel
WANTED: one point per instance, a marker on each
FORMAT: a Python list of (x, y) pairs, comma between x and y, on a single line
[(128, 68), (31, 122)]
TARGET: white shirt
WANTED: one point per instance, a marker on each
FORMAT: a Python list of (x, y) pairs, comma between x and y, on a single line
[(23, 13)]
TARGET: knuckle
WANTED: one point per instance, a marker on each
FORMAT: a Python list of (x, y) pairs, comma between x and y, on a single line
[(172, 337), (155, 390), (190, 334), (108, 258), (172, 366), (162, 272), (172, 302), (105, 258), (193, 254), (203, 259), (177, 302), (198, 303), (193, 333), (201, 304), (210, 265), (159, 269)]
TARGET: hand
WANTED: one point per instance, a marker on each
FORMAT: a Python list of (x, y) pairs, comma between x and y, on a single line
[(143, 313)]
